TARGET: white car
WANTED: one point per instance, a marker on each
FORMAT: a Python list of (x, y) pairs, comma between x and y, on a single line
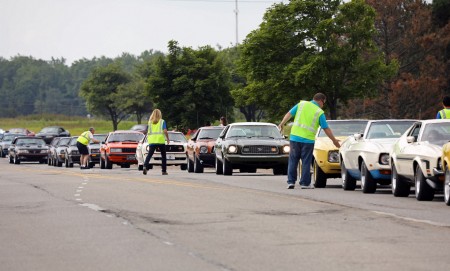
[(416, 159), (365, 156), (175, 152)]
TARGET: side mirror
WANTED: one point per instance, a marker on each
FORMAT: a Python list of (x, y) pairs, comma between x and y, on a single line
[(410, 139), (357, 136)]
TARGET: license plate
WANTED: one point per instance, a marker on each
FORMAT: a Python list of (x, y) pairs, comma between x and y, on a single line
[(170, 157), (131, 157)]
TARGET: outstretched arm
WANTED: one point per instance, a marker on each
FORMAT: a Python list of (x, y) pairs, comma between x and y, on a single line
[(285, 119), (329, 133)]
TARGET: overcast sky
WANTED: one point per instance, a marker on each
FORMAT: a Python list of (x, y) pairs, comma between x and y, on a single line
[(74, 29)]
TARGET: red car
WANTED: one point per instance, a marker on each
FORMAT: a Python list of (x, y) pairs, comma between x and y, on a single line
[(120, 149), (200, 148)]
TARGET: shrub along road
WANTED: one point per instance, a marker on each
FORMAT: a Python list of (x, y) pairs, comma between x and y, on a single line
[(72, 219)]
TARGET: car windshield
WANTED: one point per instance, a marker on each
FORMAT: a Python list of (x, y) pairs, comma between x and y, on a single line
[(268, 131), (18, 130), (209, 133), (64, 141), (50, 130), (99, 137), (9, 137), (177, 137), (345, 128), (388, 129), (436, 133), (129, 137), (73, 141), (30, 141)]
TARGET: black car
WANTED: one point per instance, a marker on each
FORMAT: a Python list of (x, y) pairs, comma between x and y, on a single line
[(71, 153), (48, 133), (94, 150), (250, 145), (28, 149)]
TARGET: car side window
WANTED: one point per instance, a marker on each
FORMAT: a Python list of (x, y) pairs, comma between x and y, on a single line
[(415, 131)]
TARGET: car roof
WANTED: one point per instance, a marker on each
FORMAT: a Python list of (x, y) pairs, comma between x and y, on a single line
[(434, 121), (125, 132), (212, 127), (252, 123)]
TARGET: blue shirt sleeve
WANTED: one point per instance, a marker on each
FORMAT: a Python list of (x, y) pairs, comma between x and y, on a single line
[(438, 116), (323, 121), (293, 110), (164, 125)]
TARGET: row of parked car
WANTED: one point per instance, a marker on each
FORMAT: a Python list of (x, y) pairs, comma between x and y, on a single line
[(401, 153)]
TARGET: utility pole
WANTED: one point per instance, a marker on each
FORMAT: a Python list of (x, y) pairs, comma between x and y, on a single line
[(236, 11)]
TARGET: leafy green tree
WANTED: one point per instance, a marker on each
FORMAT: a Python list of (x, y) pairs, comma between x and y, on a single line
[(307, 46), (103, 92), (190, 86)]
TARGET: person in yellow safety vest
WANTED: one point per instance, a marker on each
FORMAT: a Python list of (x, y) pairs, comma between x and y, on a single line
[(308, 117), (82, 143), (156, 136), (444, 113)]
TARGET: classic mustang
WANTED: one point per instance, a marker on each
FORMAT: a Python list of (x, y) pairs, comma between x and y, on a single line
[(415, 159), (200, 148), (175, 152), (119, 148), (250, 145), (365, 156), (325, 162), (445, 166)]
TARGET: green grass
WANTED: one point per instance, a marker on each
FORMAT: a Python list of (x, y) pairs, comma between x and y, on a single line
[(75, 125)]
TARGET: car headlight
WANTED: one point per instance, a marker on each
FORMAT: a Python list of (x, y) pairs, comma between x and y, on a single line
[(333, 156), (286, 149), (180, 148), (384, 159), (116, 150), (22, 151), (203, 149), (232, 149)]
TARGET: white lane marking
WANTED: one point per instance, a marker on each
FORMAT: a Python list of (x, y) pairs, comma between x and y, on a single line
[(78, 199), (93, 207), (76, 195), (413, 219), (168, 243), (78, 191)]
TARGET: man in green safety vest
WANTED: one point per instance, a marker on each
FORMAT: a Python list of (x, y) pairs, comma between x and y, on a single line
[(82, 143), (444, 113), (308, 117)]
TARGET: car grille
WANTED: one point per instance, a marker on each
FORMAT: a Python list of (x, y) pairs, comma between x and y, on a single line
[(172, 148), (133, 150), (258, 149)]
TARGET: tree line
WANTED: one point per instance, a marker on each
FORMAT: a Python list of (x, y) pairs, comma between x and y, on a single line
[(373, 59)]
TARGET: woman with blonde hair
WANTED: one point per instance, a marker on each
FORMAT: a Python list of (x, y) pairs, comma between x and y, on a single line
[(156, 136)]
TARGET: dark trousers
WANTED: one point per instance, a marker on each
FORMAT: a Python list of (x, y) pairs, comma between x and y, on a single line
[(151, 151)]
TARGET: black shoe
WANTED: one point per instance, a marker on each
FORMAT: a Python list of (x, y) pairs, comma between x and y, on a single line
[(84, 167), (165, 173), (144, 171), (291, 186)]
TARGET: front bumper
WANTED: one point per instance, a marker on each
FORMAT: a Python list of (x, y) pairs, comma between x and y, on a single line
[(172, 159), (260, 161), (126, 158)]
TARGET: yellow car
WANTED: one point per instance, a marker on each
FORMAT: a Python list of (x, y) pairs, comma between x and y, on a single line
[(325, 163), (445, 166)]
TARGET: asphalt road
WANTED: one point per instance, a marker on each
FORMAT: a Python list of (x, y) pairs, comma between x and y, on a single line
[(70, 219)]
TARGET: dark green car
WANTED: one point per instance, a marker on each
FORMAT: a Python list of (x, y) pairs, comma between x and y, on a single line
[(248, 146)]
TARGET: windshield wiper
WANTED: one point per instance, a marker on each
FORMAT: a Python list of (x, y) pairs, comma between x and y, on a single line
[(206, 137)]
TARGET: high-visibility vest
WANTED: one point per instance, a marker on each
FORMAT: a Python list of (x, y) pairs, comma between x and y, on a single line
[(306, 121), (84, 138), (155, 133), (445, 113)]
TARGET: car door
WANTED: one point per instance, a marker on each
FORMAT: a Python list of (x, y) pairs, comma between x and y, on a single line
[(220, 143)]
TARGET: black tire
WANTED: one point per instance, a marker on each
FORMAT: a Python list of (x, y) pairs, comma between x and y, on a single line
[(198, 167), (90, 164), (278, 170), (140, 167), (16, 160), (447, 187), (108, 164), (150, 167), (424, 192), (368, 184), (11, 161), (190, 165), (59, 164), (252, 170), (49, 161), (319, 177), (348, 182), (102, 163), (125, 165), (219, 167), (66, 163), (400, 188), (227, 167), (183, 167)]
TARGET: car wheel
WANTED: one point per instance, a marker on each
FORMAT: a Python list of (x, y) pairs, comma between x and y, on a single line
[(140, 167), (183, 167), (59, 164), (70, 164), (227, 167), (190, 165), (11, 161), (368, 184), (279, 170), (91, 164), (198, 167), (66, 163), (424, 192), (319, 177), (16, 160), (102, 163), (400, 188), (1, 153), (49, 161), (219, 167), (447, 187), (348, 182), (108, 164)]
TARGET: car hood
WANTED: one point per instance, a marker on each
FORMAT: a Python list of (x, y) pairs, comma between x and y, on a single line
[(122, 144), (430, 149), (325, 143), (32, 146), (383, 145)]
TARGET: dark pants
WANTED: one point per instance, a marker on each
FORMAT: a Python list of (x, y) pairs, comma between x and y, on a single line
[(303, 151), (151, 151)]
